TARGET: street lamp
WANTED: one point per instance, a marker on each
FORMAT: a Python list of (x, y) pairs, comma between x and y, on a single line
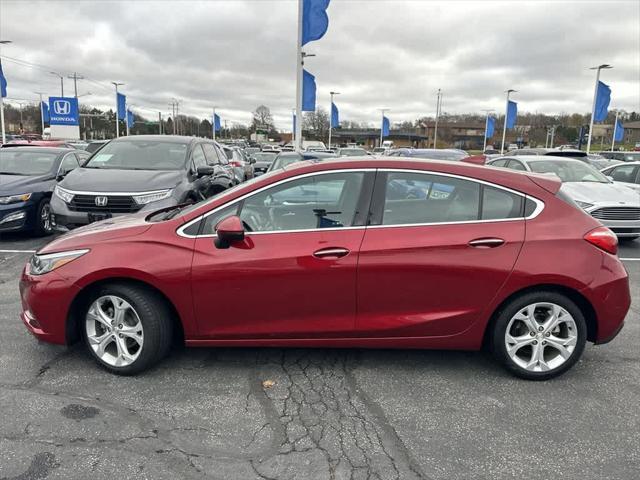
[(604, 66), (331, 116), (506, 113), (61, 77)]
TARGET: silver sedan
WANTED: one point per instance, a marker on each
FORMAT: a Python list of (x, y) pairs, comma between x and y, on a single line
[(615, 205)]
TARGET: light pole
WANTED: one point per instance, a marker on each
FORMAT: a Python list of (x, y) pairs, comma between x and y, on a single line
[(41, 112), (4, 137), (75, 78), (382, 111), (553, 134), (435, 130), (604, 66), (506, 113), (117, 84), (61, 77), (331, 116), (486, 126)]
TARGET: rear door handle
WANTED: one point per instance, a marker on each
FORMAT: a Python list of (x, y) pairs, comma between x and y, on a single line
[(486, 242), (334, 252)]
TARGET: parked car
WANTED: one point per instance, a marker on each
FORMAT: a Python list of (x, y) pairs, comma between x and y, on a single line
[(625, 174), (37, 143), (95, 145), (598, 162), (263, 161), (354, 268), (138, 174), (267, 147), (430, 153), (284, 159), (242, 166), (621, 156), (617, 207), (251, 150), (27, 178)]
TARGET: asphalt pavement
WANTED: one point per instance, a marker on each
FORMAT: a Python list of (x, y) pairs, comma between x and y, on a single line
[(312, 414)]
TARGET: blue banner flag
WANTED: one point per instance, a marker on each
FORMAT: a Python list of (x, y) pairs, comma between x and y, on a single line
[(512, 113), (122, 106), (130, 120), (491, 126), (3, 82), (315, 20), (308, 92), (216, 122), (619, 135), (335, 116), (45, 111), (603, 97), (385, 127)]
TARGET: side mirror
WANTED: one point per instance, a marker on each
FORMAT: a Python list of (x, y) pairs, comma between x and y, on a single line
[(62, 174), (203, 171), (229, 231)]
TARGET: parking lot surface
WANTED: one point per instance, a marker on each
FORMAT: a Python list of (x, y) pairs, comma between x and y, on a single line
[(312, 414)]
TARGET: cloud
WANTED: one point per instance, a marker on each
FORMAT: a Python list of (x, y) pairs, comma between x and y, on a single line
[(388, 53)]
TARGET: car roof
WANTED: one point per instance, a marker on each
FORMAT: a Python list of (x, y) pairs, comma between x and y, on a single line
[(623, 164), (58, 150), (163, 138), (538, 158)]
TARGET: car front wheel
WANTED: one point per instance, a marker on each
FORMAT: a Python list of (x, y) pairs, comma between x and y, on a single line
[(43, 219), (127, 328), (539, 335)]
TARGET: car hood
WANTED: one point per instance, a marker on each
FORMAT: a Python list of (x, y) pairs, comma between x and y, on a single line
[(17, 184), (591, 192), (111, 229), (112, 180)]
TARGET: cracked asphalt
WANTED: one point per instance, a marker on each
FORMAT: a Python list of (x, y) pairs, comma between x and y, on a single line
[(312, 414)]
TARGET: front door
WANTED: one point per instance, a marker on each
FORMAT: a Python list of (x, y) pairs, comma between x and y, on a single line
[(438, 250), (294, 275)]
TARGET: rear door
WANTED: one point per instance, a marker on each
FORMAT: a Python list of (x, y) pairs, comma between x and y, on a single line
[(437, 251)]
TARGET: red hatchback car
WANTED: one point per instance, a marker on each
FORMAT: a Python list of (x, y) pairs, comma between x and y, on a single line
[(383, 253)]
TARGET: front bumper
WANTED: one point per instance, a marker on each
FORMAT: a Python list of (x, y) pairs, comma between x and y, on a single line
[(23, 215), (46, 300)]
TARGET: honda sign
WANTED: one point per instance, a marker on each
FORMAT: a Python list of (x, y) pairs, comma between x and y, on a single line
[(64, 118)]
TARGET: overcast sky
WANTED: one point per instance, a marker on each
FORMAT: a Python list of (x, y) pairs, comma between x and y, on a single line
[(377, 53)]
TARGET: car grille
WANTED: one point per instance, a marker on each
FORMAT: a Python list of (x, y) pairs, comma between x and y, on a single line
[(617, 213), (115, 204)]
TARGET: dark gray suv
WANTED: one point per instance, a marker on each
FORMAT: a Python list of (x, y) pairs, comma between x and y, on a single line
[(140, 173)]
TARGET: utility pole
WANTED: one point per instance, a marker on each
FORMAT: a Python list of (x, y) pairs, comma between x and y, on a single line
[(331, 116), (75, 78), (595, 97), (61, 82), (117, 84), (435, 130), (173, 118)]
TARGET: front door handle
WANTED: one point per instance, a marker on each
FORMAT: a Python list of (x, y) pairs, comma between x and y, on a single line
[(486, 242), (333, 252)]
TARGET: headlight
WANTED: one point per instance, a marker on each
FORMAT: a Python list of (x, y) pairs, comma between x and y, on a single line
[(152, 197), (584, 205), (63, 194), (23, 197), (41, 264)]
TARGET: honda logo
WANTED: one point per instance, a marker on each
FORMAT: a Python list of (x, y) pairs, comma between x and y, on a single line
[(62, 107), (101, 201)]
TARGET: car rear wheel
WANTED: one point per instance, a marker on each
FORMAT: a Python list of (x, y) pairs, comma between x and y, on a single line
[(539, 335), (127, 329), (43, 219)]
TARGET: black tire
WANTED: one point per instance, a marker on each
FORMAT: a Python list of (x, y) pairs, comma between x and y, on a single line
[(43, 228), (504, 316), (154, 316)]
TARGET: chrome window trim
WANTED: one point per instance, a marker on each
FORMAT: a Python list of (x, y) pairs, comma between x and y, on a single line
[(539, 204), (63, 159)]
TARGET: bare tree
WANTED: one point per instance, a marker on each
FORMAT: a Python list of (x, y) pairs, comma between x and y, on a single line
[(262, 119), (317, 123)]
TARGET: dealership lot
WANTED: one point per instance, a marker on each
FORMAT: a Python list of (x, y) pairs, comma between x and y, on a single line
[(275, 413)]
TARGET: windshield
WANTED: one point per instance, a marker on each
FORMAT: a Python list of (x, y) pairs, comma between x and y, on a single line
[(19, 162), (140, 155), (264, 157), (632, 157), (352, 152), (568, 171), (282, 161)]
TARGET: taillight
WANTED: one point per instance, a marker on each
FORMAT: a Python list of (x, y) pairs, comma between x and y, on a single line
[(604, 239), (236, 163)]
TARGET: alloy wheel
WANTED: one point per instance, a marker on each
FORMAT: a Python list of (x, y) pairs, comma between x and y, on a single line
[(45, 217), (114, 331), (541, 337)]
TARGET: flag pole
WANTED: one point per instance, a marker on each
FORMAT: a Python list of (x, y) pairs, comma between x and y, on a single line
[(486, 127), (504, 127), (435, 129), (41, 115), (593, 107), (330, 118), (615, 126), (214, 123), (4, 136), (299, 65)]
